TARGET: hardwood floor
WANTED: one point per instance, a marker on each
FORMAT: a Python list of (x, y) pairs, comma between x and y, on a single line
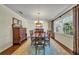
[(10, 50), (27, 49)]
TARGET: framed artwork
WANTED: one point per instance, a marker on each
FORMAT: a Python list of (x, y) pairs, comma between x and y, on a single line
[(16, 22)]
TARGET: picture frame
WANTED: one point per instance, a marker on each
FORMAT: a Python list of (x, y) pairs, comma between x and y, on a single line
[(16, 22)]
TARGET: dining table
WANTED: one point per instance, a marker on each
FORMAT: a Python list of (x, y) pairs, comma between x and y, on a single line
[(39, 40)]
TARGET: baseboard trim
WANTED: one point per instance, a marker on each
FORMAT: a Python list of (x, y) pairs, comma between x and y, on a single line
[(65, 47), (6, 48), (11, 49)]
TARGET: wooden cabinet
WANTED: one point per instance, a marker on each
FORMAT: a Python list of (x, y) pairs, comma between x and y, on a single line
[(39, 30), (19, 35)]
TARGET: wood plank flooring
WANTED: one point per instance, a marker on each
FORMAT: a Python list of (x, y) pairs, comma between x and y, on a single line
[(27, 49)]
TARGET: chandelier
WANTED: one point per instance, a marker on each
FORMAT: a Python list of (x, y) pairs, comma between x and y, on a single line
[(38, 23)]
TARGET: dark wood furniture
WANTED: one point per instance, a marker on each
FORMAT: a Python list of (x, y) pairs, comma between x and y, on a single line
[(39, 42), (39, 30), (19, 35)]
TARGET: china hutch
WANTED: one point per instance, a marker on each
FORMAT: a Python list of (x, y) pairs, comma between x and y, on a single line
[(19, 32)]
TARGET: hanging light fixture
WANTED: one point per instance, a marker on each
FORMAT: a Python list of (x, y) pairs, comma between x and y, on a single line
[(38, 23)]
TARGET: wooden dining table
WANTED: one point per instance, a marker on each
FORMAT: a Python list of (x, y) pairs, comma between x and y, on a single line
[(39, 40)]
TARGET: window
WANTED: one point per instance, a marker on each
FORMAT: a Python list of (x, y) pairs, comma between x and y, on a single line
[(64, 24)]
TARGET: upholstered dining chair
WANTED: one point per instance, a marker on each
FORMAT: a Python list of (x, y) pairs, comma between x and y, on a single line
[(40, 42), (32, 37)]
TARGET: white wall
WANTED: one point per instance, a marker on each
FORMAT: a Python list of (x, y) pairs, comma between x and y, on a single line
[(65, 40), (6, 15), (6, 38)]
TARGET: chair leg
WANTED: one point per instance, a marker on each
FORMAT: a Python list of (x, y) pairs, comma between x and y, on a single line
[(43, 49), (36, 50), (49, 44)]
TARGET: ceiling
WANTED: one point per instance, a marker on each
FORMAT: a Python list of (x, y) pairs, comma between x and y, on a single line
[(47, 11)]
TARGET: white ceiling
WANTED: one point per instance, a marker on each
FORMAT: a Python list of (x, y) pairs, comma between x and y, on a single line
[(47, 11)]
